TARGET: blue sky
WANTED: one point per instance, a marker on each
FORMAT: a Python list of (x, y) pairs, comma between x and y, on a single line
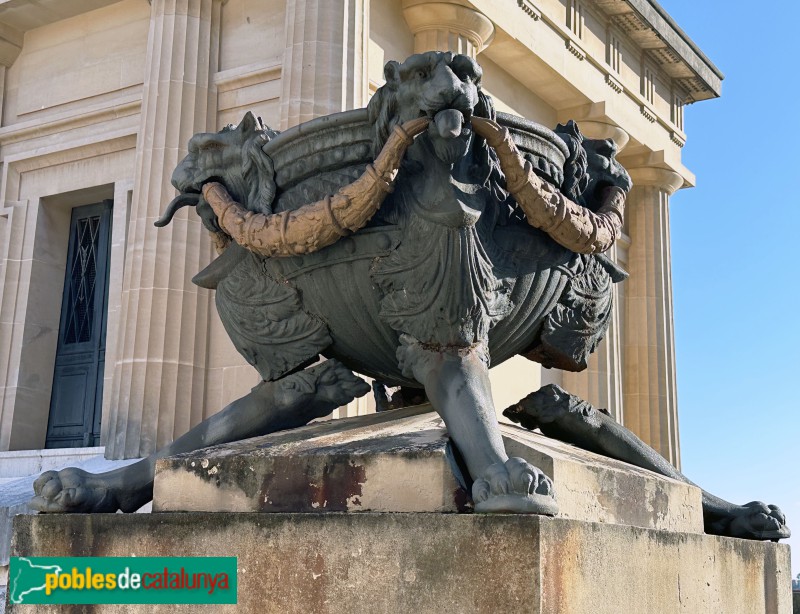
[(735, 259)]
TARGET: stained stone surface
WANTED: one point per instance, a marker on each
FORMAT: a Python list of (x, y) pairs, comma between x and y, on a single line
[(388, 462), (403, 461), (330, 563)]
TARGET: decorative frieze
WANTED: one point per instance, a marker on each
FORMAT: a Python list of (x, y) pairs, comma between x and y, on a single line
[(676, 138), (530, 9), (614, 83), (575, 49)]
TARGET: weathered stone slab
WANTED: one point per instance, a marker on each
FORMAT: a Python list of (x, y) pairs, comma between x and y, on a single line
[(403, 461), (387, 462), (439, 563), (595, 488)]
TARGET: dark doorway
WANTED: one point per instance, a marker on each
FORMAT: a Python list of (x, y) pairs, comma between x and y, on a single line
[(77, 397)]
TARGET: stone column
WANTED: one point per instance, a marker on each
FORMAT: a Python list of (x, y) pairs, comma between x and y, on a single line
[(158, 381), (601, 382), (648, 337), (325, 59), (446, 26)]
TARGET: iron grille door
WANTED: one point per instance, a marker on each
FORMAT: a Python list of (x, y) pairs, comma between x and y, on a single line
[(77, 397)]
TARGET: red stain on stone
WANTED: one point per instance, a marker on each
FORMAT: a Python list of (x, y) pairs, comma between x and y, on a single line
[(311, 485)]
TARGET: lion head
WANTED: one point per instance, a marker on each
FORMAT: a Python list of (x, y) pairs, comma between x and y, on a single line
[(233, 157), (591, 167), (438, 85)]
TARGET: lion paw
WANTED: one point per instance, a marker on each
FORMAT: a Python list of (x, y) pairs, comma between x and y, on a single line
[(754, 520), (73, 490), (322, 388), (515, 486)]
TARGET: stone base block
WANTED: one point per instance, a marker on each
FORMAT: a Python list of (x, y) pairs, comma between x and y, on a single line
[(438, 563), (403, 461)]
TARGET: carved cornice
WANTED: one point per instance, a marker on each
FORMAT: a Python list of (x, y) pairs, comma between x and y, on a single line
[(251, 74), (60, 122), (665, 44), (677, 138)]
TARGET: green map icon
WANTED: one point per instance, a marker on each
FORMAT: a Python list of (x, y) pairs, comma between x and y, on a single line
[(26, 577)]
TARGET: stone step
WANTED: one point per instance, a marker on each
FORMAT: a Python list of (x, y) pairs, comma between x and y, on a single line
[(403, 461), (20, 463)]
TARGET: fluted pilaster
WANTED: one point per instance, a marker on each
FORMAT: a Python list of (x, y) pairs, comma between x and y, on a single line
[(159, 375), (650, 394), (446, 26), (324, 61)]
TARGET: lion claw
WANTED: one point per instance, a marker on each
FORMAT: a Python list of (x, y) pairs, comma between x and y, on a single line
[(515, 486), (73, 490), (754, 520)]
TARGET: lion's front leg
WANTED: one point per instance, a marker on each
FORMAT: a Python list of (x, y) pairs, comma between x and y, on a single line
[(457, 384), (566, 417), (271, 406)]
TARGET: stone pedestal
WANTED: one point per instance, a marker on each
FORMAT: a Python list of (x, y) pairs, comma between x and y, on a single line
[(626, 540), (423, 563), (403, 461)]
